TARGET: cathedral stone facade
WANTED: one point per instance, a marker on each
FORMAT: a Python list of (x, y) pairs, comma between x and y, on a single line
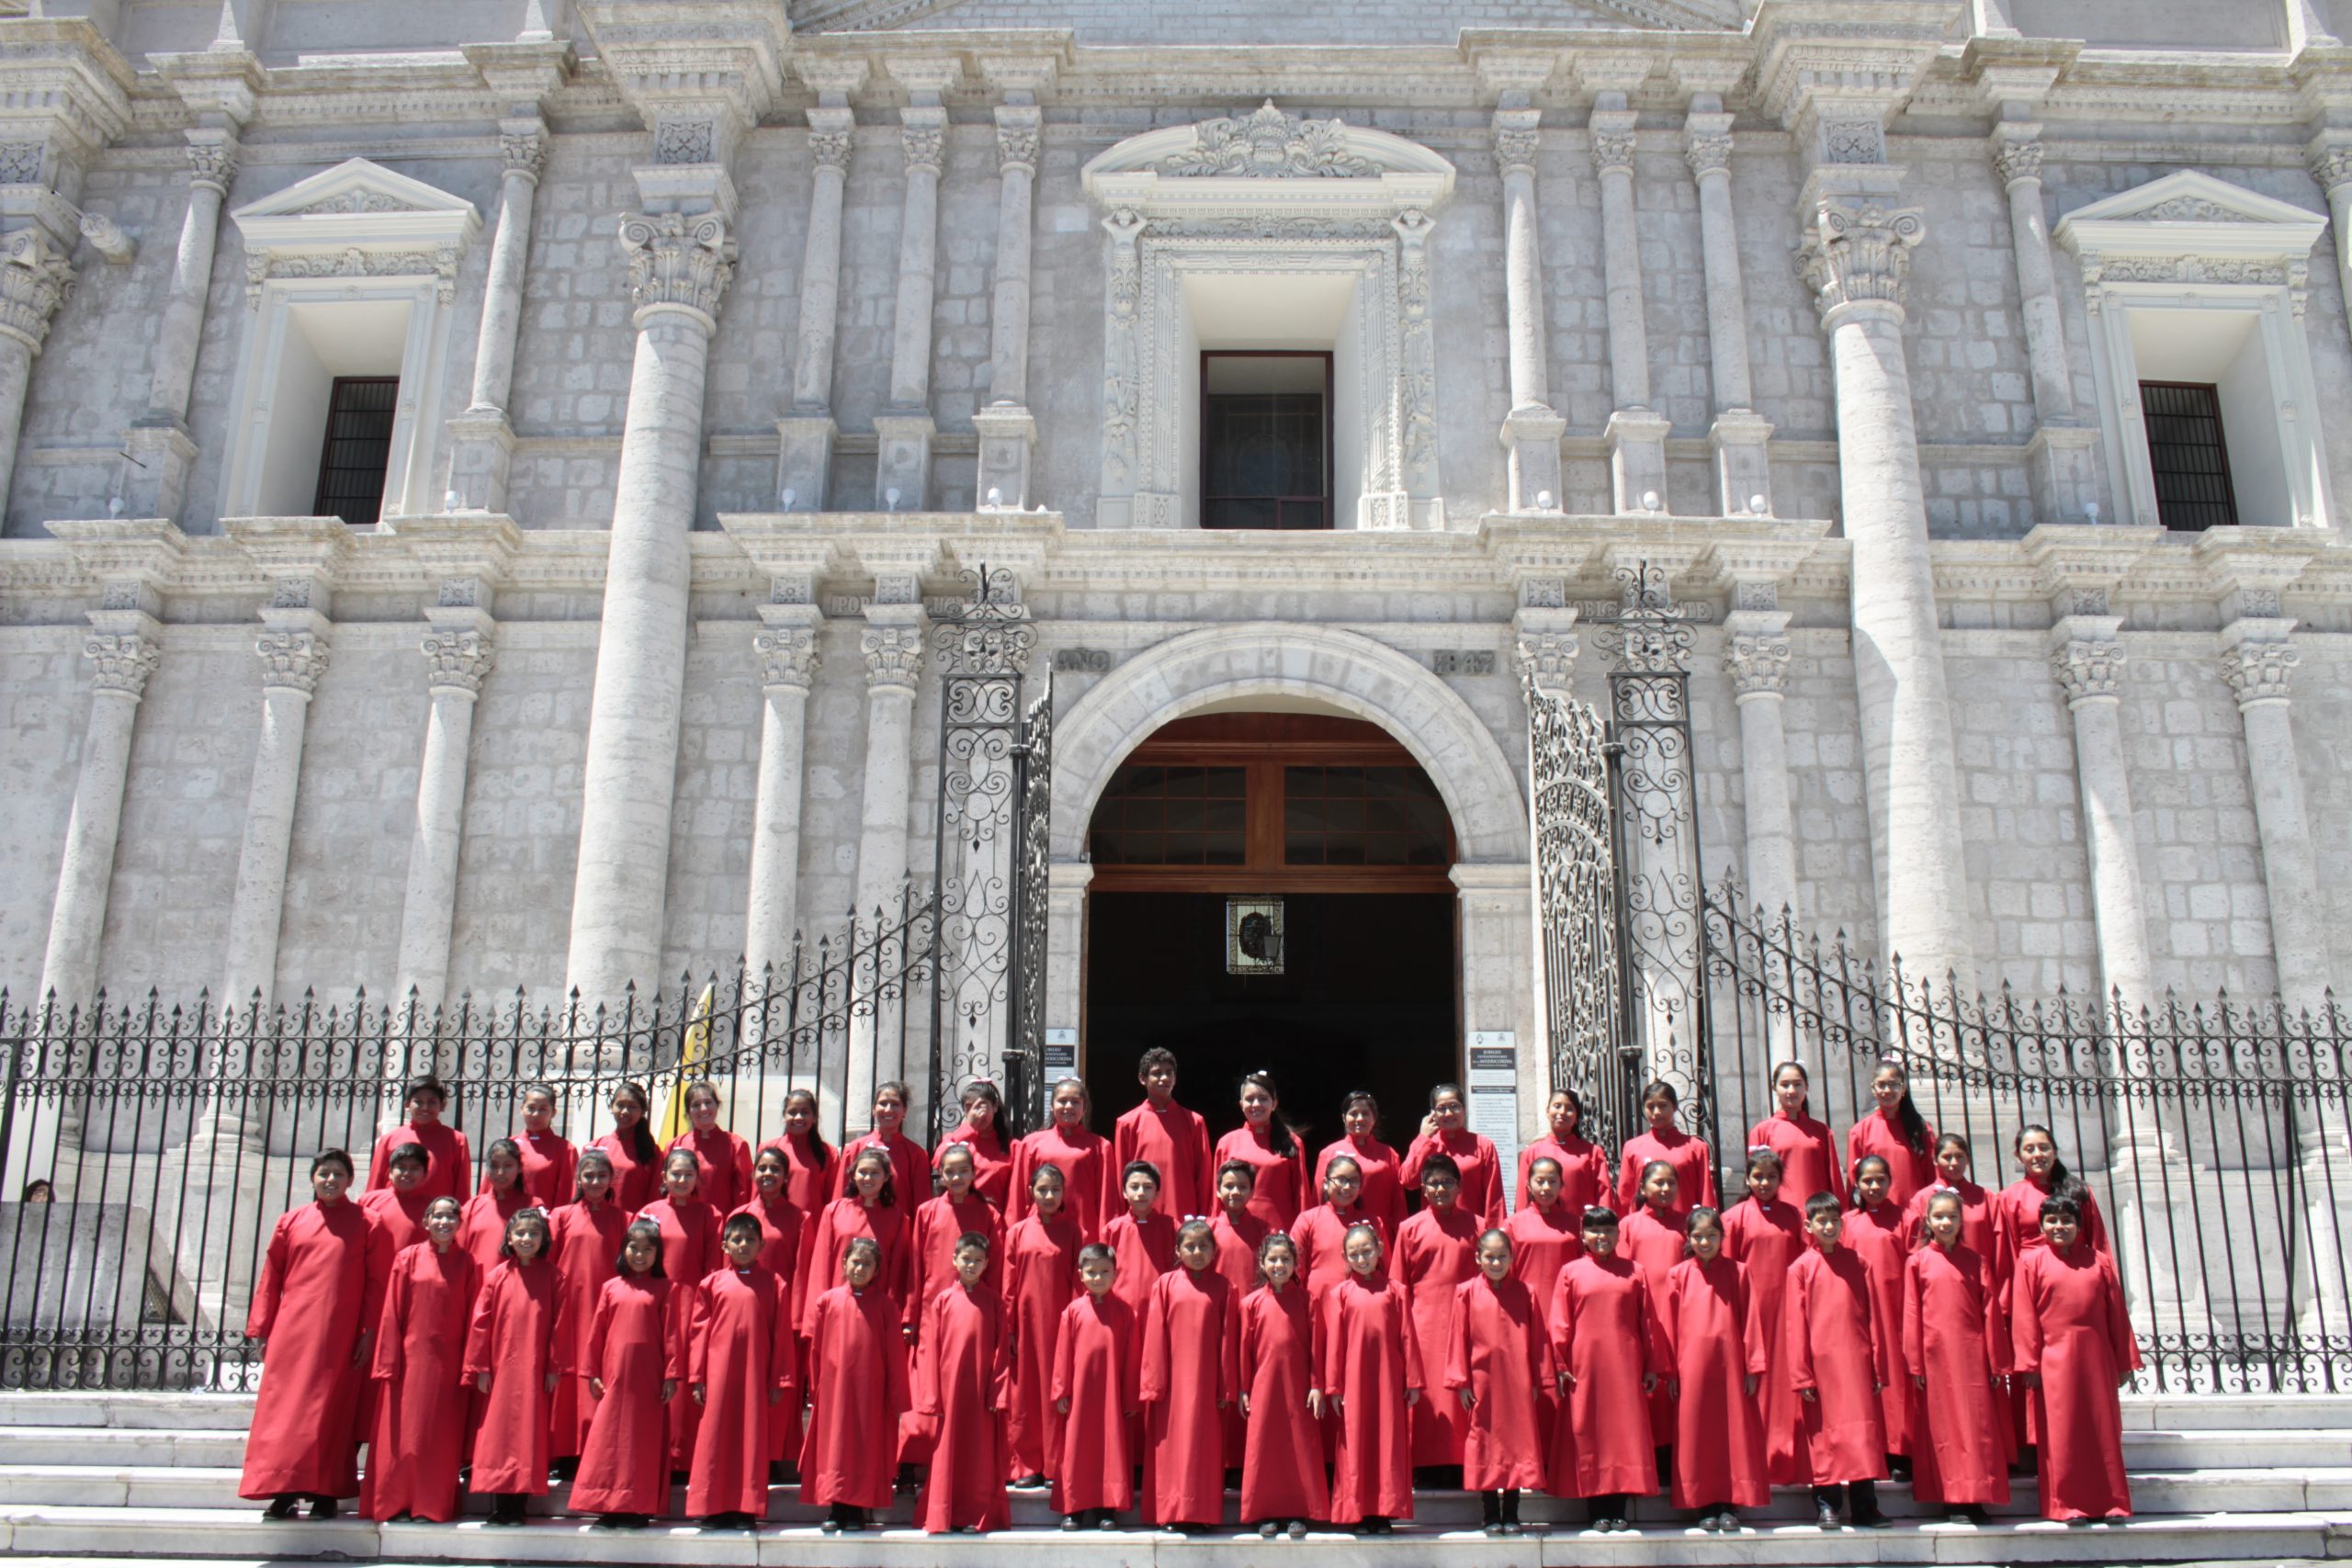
[(478, 474)]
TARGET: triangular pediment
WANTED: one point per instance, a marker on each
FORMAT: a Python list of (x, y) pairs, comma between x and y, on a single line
[(359, 204), (2190, 214), (2190, 197)]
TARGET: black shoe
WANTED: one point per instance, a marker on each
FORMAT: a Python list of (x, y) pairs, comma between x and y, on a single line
[(1826, 1516), (830, 1527), (280, 1506), (1031, 1483), (1873, 1520), (1106, 1519), (1074, 1522), (1297, 1529), (324, 1508), (1270, 1529)]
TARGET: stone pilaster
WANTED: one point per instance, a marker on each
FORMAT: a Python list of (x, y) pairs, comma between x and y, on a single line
[(459, 648), (785, 646), (123, 648), (1755, 657), (1635, 435), (893, 647), (2330, 157), (2256, 662), (903, 430), (1531, 430), (1007, 430), (35, 280), (1544, 641), (2087, 660), (2064, 466), (1740, 436), (805, 435), (293, 646)]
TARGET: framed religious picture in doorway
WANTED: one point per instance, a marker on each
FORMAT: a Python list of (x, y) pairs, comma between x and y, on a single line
[(1253, 936)]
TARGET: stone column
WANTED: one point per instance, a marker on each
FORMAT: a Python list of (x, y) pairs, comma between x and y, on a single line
[(805, 435), (2256, 659), (1856, 256), (1008, 431), (35, 280), (485, 450), (123, 648), (155, 485), (459, 651), (2331, 165), (1756, 657), (679, 269), (1636, 436), (293, 648), (1739, 435), (787, 648), (1531, 430), (2086, 658), (903, 429), (2065, 480), (893, 648)]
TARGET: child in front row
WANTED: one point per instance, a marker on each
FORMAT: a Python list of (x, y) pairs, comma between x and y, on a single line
[(1095, 1399), (1954, 1335), (1040, 1279), (2075, 1352), (1370, 1372), (743, 1374), (857, 1386), (1190, 1329), (634, 1359), (1714, 1346), (1837, 1364), (962, 1379), (509, 1356), (1281, 1467), (1499, 1364)]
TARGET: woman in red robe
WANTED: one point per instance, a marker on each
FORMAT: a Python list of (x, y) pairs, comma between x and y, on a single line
[(1265, 1141), (1370, 1370), (1952, 1174), (1605, 1342), (743, 1372), (420, 1360), (1040, 1281), (1445, 1131), (982, 1130), (1830, 1346), (963, 1377), (1654, 1237), (1090, 1181), (509, 1356), (549, 1159), (1192, 1331), (1435, 1254), (690, 1231), (725, 1159), (1282, 1468), (1096, 1398), (2075, 1351), (1713, 1344), (1897, 1133), (1499, 1366), (637, 1159), (1808, 1150), (857, 1387), (909, 1161), (588, 1234), (1384, 1187), (809, 1163), (482, 1230), (1875, 1232), (1692, 1162), (1764, 1237), (1955, 1340), (310, 1304), (449, 1163), (1584, 1177), (633, 1359)]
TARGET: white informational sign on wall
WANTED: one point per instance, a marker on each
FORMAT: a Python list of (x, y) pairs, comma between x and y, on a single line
[(1493, 1094), (1061, 1053)]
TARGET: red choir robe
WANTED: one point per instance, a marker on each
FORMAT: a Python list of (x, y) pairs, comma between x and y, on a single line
[(938, 1223), (1875, 1236), (550, 1165), (1040, 1279), (1713, 1342), (311, 1305), (745, 1358), (481, 1224), (1096, 1370), (726, 1164), (2016, 1230), (1808, 1151), (1955, 1335), (1281, 1467), (909, 1168), (1766, 1243), (857, 1388), (449, 1163), (1975, 1218), (1436, 1251), (1176, 1141), (991, 1161), (1605, 1333), (690, 1231), (1367, 1359), (1321, 1234), (636, 1340), (1236, 1259), (842, 1222), (1383, 1190), (1655, 1247), (1089, 1181), (1829, 1344), (1281, 1193), (963, 1378), (1145, 1251), (1192, 1340), (2070, 1327), (781, 1252), (1499, 1349), (1584, 1175), (1482, 1171), (1541, 1243), (1695, 1169), (399, 1220), (804, 1185), (1909, 1170), (513, 1339), (420, 1353), (586, 1245), (636, 1182)]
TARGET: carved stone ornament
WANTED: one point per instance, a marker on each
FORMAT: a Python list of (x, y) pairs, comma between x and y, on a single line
[(1709, 153), (1612, 149), (680, 262), (829, 149), (2087, 667), (440, 262), (1853, 141), (2259, 601), (894, 655), (213, 164), (121, 664), (1855, 255), (1517, 138), (351, 201), (1543, 593), (685, 141), (2256, 671), (524, 153), (1017, 146), (35, 280), (457, 661), (1756, 594), (1758, 666), (1270, 145), (20, 163), (2015, 161), (1547, 660), (2195, 209), (925, 146), (291, 660), (2331, 167), (787, 656)]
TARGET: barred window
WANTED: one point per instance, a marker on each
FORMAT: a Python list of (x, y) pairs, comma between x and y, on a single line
[(358, 445), (2190, 461)]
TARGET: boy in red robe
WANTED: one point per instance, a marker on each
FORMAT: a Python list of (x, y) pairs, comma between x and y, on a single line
[(1436, 1252), (1238, 1234), (1837, 1363), (1143, 1239), (310, 1304), (1610, 1357), (1282, 1468), (588, 1234), (1713, 1344), (1499, 1365), (962, 1380), (2075, 1352), (1765, 1236), (1191, 1330), (449, 1163), (1095, 1391), (632, 1359), (1370, 1370), (549, 1162), (1174, 1140), (856, 1389), (1040, 1279), (420, 1398), (742, 1370), (1954, 1337), (509, 1356)]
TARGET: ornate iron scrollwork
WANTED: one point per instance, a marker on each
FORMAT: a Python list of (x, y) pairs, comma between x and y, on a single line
[(1575, 901)]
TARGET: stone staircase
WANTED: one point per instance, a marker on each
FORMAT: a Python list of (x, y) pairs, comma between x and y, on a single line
[(153, 1477)]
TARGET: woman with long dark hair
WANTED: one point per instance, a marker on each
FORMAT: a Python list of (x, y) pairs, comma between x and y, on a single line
[(1266, 1144)]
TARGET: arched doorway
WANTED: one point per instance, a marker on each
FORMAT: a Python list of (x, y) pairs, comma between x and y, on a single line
[(1273, 890)]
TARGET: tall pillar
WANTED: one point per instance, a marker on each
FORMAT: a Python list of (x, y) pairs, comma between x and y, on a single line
[(155, 482), (1008, 431), (459, 651), (1756, 658), (2086, 658), (805, 435), (893, 648), (293, 649), (123, 649), (1739, 435), (1635, 435), (2065, 471), (903, 429), (483, 452), (679, 269), (1531, 430), (787, 648), (2256, 659), (35, 280)]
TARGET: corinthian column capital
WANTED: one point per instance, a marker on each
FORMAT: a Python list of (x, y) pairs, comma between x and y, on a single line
[(1758, 666), (1860, 254), (291, 660), (121, 661), (457, 661), (788, 658), (893, 656), (2256, 671), (35, 280), (2087, 667), (678, 262)]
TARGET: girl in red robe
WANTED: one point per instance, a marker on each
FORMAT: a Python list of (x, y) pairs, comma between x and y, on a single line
[(1090, 1180), (1445, 1131), (1370, 1370), (1692, 1162), (1764, 1237), (1714, 1343), (857, 1388), (588, 1234), (637, 1159), (1654, 1238), (743, 1371), (396, 1214), (2016, 1230), (1952, 1174), (311, 1305), (633, 1359), (1281, 1467), (1830, 1346), (1192, 1331), (1584, 1177), (780, 1254), (909, 1161), (724, 1160), (2074, 1351), (871, 1209), (1874, 1232), (482, 1230), (1605, 1343), (1499, 1365), (1171, 1139), (450, 1164), (940, 1224), (1096, 1392), (1954, 1337), (1808, 1150), (1237, 1234), (1321, 1232), (808, 1161), (549, 1159), (1436, 1253), (982, 1130), (1383, 1187), (962, 1376), (1265, 1141), (690, 1230), (1040, 1281), (509, 1356), (1897, 1133), (420, 1354), (1543, 1232)]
